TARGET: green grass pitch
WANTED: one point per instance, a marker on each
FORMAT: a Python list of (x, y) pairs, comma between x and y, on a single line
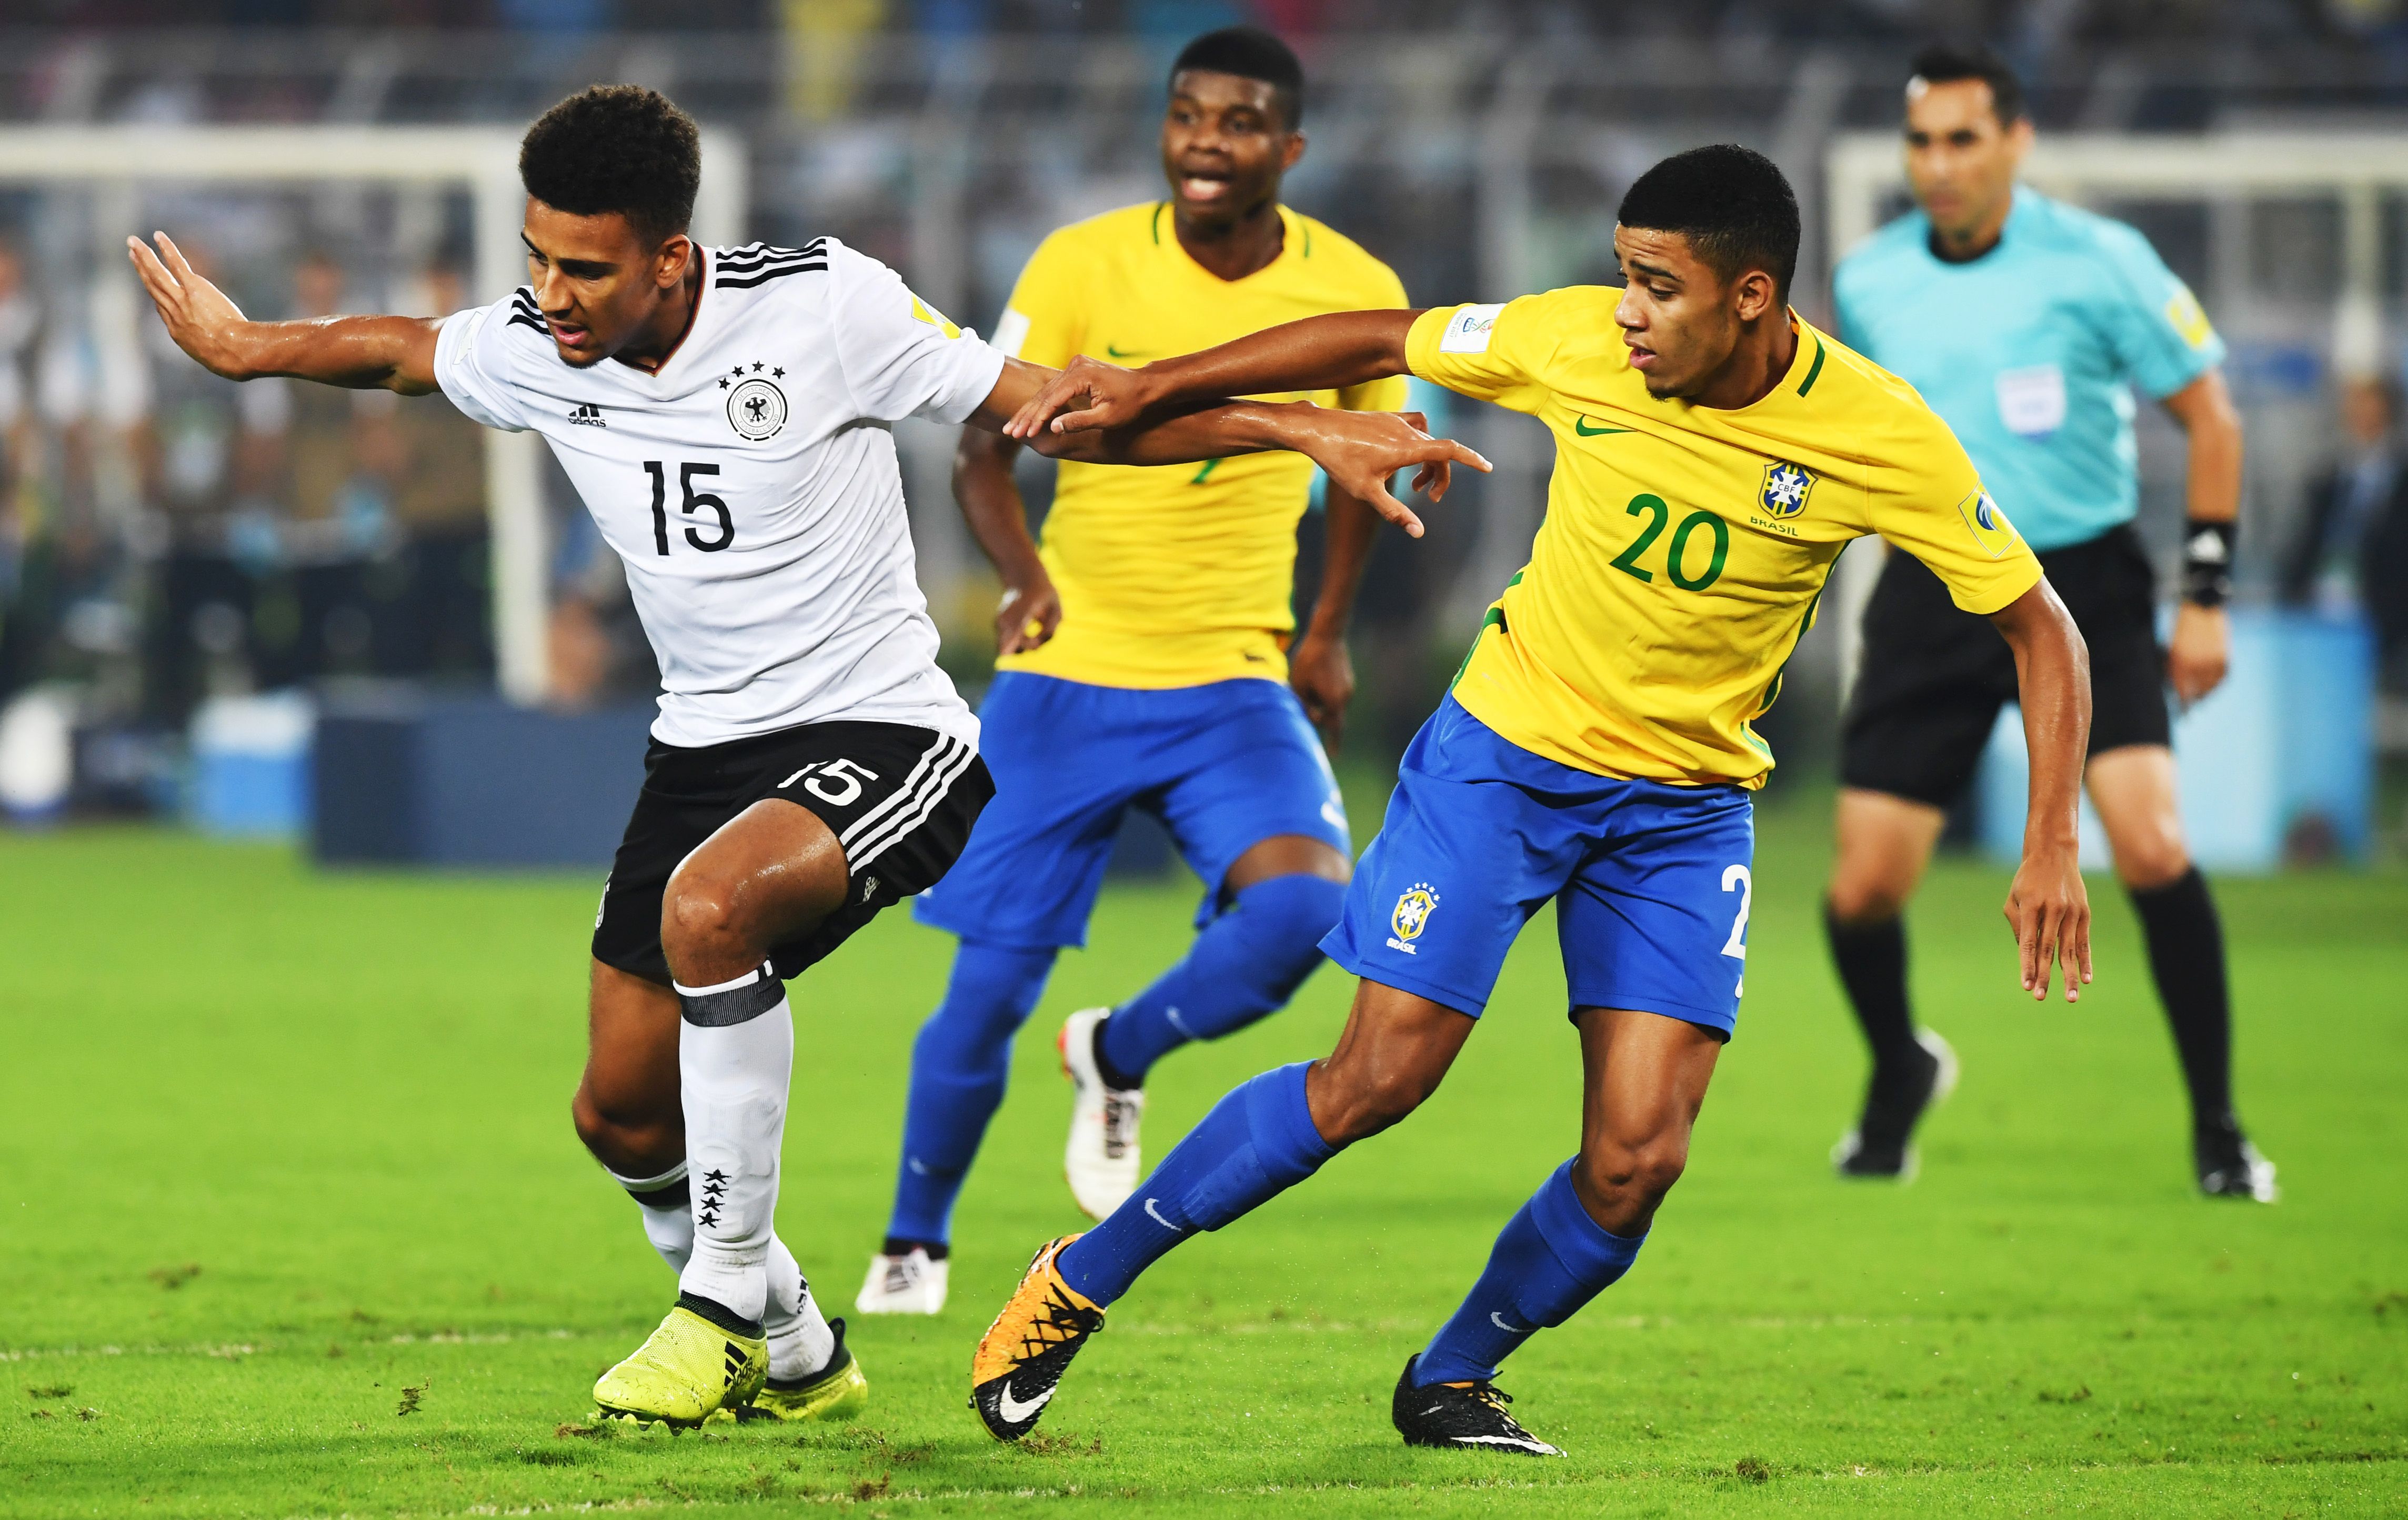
[(293, 1223)]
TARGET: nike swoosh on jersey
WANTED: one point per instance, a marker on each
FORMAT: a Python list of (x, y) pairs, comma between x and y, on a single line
[(1124, 354), (1013, 1410), (1580, 426)]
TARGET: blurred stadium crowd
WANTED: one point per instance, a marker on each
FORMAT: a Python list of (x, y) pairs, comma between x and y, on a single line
[(165, 537)]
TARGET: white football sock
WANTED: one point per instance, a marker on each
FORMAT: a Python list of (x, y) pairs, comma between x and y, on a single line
[(669, 1225), (801, 1341), (736, 1059)]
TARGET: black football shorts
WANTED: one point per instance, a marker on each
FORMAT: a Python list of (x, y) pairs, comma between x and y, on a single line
[(1934, 677), (900, 799)]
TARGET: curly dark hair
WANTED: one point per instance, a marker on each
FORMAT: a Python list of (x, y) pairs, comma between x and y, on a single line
[(616, 147), (1733, 205), (1250, 53)]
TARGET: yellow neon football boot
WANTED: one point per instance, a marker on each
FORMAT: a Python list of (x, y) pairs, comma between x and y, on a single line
[(1025, 1352), (838, 1391), (686, 1371)]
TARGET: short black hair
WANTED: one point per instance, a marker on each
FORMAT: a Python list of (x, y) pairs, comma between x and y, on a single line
[(1733, 205), (616, 147), (1945, 62), (1250, 53)]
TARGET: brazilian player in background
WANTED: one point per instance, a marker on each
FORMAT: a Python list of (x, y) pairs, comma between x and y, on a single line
[(2025, 323), (1145, 662), (1714, 454)]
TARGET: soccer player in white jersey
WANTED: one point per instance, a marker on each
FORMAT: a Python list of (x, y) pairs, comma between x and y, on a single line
[(723, 413)]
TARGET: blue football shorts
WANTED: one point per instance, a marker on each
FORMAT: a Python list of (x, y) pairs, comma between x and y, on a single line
[(1651, 881), (1224, 765)]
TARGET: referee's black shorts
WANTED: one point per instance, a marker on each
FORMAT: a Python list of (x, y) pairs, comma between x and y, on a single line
[(1933, 677)]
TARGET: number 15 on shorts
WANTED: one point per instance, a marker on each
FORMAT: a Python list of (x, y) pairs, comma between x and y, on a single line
[(1735, 879)]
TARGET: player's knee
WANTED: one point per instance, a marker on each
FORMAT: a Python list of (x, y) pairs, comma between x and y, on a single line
[(699, 916), (1861, 899), (624, 1136), (1638, 1173), (2158, 859), (1371, 1100)]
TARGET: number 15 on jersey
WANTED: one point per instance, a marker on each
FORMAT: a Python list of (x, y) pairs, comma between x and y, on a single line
[(694, 501)]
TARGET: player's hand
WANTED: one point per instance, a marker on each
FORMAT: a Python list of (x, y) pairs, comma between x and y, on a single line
[(2049, 908), (1361, 452), (1321, 671), (1027, 616), (202, 319), (2200, 653), (1088, 395)]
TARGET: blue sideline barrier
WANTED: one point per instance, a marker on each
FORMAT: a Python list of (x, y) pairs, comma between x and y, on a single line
[(2278, 761), (473, 781)]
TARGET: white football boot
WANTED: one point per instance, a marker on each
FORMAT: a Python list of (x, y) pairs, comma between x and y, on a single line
[(1101, 1160), (905, 1284)]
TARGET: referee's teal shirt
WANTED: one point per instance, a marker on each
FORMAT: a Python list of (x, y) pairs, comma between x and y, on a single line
[(2030, 352)]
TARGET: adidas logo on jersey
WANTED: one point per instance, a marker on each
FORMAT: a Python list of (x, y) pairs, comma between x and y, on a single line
[(586, 414)]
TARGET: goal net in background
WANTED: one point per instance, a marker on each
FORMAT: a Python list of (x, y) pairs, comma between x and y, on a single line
[(168, 538), (2294, 241)]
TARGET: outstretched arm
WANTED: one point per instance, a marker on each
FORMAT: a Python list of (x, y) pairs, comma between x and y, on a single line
[(2048, 906), (1359, 450), (1319, 353), (392, 353)]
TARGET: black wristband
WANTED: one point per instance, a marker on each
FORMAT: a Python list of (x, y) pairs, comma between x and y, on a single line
[(2207, 563)]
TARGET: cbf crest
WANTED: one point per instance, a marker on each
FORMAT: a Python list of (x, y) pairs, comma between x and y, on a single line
[(756, 408), (1787, 486), (1415, 906)]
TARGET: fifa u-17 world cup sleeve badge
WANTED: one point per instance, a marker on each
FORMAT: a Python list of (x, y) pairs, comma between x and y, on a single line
[(1988, 522), (1414, 909)]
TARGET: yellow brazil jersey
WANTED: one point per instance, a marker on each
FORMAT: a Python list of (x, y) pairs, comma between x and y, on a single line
[(1684, 548), (1176, 575)]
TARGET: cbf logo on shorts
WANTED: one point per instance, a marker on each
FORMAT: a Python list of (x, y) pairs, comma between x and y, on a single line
[(1989, 525), (1414, 909), (1787, 486)]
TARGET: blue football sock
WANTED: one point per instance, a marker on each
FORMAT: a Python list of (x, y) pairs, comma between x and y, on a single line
[(959, 1065), (1551, 1259), (1246, 964), (1256, 1143)]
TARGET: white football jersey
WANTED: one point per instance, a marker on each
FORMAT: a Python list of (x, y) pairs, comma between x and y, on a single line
[(751, 486)]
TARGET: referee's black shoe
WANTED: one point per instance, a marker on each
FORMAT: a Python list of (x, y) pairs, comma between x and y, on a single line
[(1879, 1147), (2229, 1167), (1469, 1416)]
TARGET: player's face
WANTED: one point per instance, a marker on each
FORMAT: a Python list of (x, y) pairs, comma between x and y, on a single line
[(599, 287), (1959, 158), (1681, 320), (1225, 146)]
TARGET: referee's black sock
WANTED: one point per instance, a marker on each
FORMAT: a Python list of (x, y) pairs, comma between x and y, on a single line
[(2187, 954), (1871, 958)]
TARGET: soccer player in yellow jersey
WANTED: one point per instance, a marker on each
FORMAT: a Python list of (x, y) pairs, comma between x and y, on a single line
[(1714, 454), (1146, 662)]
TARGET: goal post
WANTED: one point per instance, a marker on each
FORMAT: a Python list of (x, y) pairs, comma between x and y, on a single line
[(113, 164)]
